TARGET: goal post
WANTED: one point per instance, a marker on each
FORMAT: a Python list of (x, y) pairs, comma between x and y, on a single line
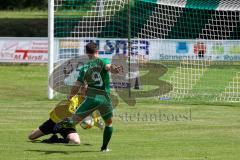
[(50, 47)]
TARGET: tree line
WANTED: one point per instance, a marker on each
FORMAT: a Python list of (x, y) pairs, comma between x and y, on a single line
[(23, 4)]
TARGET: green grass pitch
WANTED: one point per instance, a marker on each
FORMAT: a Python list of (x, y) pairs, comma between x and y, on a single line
[(190, 132)]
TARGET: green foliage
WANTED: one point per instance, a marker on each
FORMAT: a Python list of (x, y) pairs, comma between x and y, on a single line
[(22, 4), (24, 28)]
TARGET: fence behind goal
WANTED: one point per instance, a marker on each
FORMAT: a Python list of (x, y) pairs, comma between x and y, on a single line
[(195, 42)]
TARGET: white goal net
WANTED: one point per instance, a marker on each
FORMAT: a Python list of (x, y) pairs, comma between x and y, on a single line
[(195, 43)]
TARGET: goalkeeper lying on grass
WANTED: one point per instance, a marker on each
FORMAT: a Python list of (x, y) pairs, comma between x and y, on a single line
[(62, 110)]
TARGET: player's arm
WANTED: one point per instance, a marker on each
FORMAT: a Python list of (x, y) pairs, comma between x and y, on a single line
[(113, 68), (75, 89), (79, 85)]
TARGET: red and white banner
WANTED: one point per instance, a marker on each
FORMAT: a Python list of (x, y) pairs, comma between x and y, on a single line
[(29, 50)]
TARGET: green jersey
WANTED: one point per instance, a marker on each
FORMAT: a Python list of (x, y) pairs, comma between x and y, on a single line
[(95, 75)]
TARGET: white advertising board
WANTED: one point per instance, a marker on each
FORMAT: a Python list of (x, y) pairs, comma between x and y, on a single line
[(24, 50), (151, 49), (35, 50)]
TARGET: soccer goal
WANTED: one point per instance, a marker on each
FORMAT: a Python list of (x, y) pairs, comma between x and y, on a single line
[(195, 42)]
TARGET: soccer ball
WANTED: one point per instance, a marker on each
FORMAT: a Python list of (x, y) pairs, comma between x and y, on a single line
[(87, 122)]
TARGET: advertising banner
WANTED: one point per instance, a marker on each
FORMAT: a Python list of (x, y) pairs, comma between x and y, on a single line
[(35, 50), (24, 50), (155, 49)]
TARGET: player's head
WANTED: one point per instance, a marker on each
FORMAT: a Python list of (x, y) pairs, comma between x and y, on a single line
[(91, 49)]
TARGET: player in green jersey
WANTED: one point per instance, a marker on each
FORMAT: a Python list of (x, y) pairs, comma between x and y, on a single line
[(94, 76)]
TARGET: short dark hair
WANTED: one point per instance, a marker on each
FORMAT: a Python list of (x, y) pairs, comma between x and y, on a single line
[(91, 48)]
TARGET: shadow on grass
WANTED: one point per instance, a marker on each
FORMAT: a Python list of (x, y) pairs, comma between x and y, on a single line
[(35, 141), (68, 145), (57, 151), (75, 145)]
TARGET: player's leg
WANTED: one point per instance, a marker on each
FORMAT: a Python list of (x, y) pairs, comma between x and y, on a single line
[(86, 107), (107, 134), (35, 134), (74, 138), (107, 114), (44, 129), (98, 121), (70, 135)]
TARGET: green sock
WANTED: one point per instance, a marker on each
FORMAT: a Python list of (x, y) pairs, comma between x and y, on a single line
[(107, 134)]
